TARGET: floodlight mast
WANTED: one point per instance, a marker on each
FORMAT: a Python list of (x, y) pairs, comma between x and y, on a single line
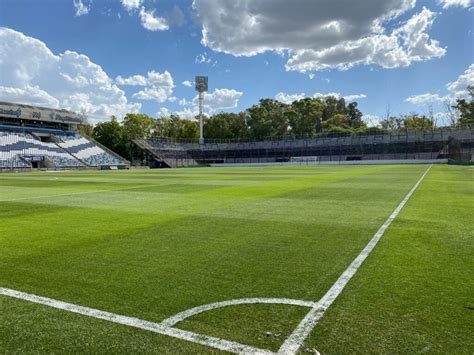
[(201, 87), (201, 123)]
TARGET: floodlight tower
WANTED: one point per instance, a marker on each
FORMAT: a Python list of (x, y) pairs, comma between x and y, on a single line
[(201, 88)]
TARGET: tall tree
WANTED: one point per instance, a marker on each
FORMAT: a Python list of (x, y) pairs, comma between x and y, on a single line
[(354, 116), (465, 107), (267, 119), (305, 116), (112, 135), (415, 121), (226, 125), (138, 125)]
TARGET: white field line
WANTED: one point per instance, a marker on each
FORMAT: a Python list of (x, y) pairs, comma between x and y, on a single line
[(301, 332), (171, 321), (212, 342)]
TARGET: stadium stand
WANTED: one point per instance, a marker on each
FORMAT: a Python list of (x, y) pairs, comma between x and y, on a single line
[(35, 137), (407, 145)]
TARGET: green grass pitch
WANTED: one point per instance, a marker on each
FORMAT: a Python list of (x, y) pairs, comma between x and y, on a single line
[(153, 243)]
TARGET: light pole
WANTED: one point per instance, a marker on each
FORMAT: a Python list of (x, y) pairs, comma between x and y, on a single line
[(201, 87)]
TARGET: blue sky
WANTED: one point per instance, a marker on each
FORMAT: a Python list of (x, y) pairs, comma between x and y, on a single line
[(83, 55)]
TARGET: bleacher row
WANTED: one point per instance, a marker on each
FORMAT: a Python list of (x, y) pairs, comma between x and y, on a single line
[(70, 150)]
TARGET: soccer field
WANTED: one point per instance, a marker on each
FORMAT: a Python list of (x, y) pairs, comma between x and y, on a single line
[(150, 244)]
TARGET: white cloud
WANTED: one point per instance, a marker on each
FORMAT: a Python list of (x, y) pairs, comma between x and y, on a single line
[(151, 22), (130, 5), (460, 3), (354, 97), (459, 87), (425, 99), (80, 8), (135, 80), (164, 80), (153, 93), (202, 58), (187, 83), (32, 95), (187, 113), (158, 86), (289, 98), (407, 44), (318, 35), (220, 99), (32, 74)]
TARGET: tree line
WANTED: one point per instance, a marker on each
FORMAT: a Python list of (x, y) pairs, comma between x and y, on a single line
[(270, 118)]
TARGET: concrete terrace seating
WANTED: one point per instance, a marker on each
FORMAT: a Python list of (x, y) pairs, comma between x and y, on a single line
[(13, 145), (86, 151), (70, 150)]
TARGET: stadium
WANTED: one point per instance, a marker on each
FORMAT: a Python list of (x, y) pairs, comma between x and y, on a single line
[(250, 212), (309, 191), (37, 137)]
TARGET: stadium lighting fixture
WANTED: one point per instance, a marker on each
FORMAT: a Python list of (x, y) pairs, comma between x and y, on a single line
[(201, 87)]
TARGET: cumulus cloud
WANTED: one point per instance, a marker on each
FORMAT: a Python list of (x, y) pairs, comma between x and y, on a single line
[(134, 80), (32, 95), (152, 22), (452, 3), (158, 86), (425, 99), (186, 113), (80, 8), (220, 99), (187, 83), (319, 35), (289, 98), (354, 97), (130, 5), (32, 74), (457, 89)]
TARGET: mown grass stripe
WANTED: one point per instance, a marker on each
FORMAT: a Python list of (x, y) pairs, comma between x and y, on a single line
[(296, 339)]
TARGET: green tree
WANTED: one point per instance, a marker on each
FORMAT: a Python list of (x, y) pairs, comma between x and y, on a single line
[(226, 125), (267, 119), (332, 106), (466, 108), (305, 116), (354, 116), (138, 125), (112, 135), (415, 121), (392, 123), (176, 127), (86, 129)]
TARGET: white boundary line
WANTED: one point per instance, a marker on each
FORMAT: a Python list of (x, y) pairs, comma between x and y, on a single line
[(296, 339), (173, 320), (213, 342)]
